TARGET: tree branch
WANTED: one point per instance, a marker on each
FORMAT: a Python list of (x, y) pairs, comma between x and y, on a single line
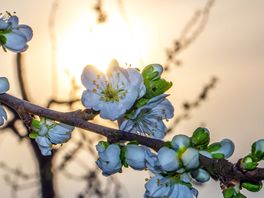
[(219, 169)]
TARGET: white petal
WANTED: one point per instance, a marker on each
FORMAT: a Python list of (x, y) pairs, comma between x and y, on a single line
[(91, 77), (91, 100)]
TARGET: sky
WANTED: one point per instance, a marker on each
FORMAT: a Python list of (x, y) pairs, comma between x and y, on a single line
[(231, 48)]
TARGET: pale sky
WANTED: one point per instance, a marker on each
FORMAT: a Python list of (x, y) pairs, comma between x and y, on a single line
[(231, 48)]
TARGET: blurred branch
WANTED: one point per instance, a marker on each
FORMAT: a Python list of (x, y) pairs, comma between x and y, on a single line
[(17, 172), (53, 42), (101, 14), (188, 35), (21, 77), (188, 106), (219, 168)]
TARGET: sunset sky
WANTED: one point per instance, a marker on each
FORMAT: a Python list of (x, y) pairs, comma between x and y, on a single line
[(231, 47)]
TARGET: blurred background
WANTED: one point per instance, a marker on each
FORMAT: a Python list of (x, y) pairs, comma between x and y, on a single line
[(213, 52)]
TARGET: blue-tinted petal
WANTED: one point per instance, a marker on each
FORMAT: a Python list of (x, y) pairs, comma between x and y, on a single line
[(190, 158), (4, 85), (15, 42), (168, 159), (135, 156), (3, 115)]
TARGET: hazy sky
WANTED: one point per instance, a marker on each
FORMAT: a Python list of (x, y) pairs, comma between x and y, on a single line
[(231, 48)]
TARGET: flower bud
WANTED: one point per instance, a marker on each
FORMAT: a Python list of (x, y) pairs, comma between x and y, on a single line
[(4, 85), (257, 149), (180, 142), (135, 156), (222, 149), (247, 163), (200, 138), (190, 158), (168, 159), (152, 72), (200, 175)]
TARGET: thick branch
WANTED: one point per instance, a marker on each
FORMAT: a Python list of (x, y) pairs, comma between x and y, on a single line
[(219, 169)]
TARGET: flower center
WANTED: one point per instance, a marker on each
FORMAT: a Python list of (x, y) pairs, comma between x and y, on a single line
[(110, 94)]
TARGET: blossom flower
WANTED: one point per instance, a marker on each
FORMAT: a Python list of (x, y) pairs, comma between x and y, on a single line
[(4, 87), (135, 156), (48, 132), (148, 119), (14, 36), (168, 159), (114, 93), (160, 186), (109, 158)]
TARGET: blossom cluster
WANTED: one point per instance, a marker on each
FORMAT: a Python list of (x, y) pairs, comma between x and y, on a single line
[(48, 132), (174, 165), (135, 99), (14, 36)]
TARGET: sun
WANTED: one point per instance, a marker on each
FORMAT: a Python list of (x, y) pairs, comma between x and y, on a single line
[(80, 45)]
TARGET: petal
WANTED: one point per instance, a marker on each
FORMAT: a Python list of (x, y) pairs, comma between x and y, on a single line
[(3, 24), (4, 85), (3, 115), (44, 145), (180, 142), (91, 100), (112, 110), (13, 21), (15, 42), (136, 80), (190, 158), (91, 77), (168, 159), (135, 156), (24, 30)]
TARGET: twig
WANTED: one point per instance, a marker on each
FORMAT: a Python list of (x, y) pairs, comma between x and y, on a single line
[(221, 169)]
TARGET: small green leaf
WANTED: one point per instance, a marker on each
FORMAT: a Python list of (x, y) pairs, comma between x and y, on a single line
[(218, 156), (33, 135), (229, 193), (123, 156), (251, 186), (157, 87), (2, 40), (214, 147)]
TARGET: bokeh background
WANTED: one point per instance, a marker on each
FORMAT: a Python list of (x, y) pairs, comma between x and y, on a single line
[(138, 33)]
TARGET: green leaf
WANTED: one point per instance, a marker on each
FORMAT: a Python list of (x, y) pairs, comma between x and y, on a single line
[(214, 147), (218, 156), (251, 186), (33, 135), (229, 193), (2, 39), (133, 142), (157, 87), (123, 156)]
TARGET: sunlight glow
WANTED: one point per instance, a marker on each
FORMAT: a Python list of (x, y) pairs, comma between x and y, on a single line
[(81, 45)]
